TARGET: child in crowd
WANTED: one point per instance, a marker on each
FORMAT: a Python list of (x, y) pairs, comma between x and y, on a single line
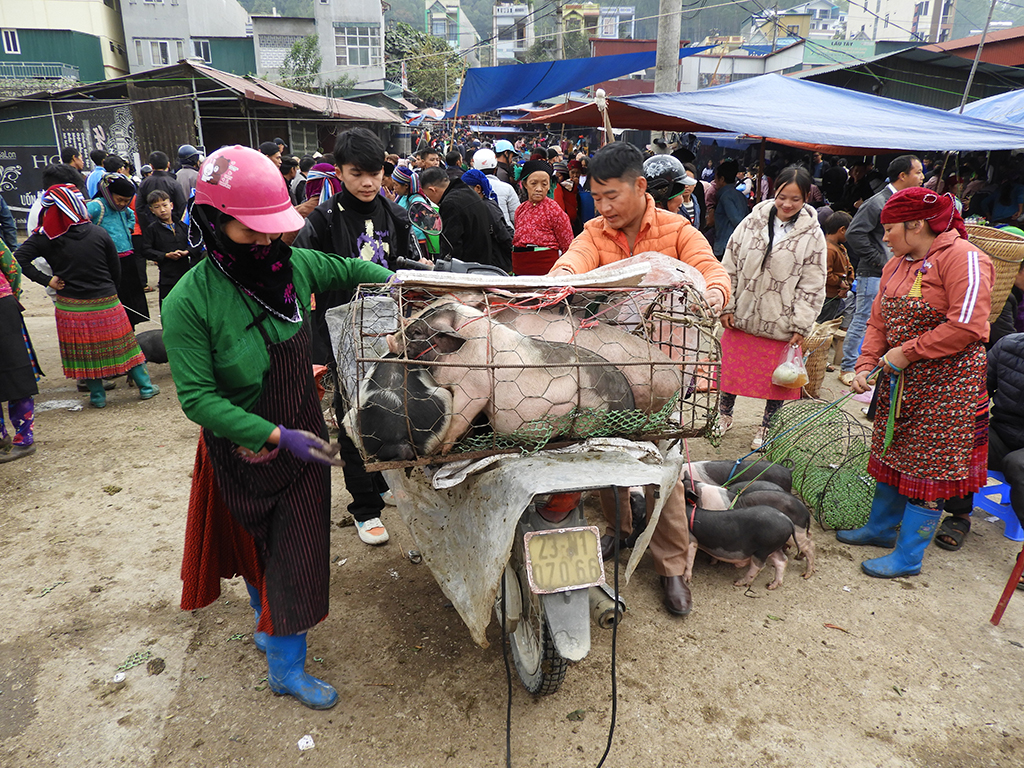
[(165, 241), (840, 271)]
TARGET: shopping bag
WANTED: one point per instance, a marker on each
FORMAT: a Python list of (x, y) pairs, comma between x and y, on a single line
[(790, 372)]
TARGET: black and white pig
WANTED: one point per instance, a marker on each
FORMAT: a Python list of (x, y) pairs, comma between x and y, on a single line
[(402, 412), (747, 536), (722, 473), (512, 378), (759, 493)]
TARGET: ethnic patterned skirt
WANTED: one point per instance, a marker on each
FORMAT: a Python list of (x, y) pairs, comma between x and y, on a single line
[(96, 339)]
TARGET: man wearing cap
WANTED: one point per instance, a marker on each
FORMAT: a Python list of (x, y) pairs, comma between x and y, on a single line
[(504, 152), (629, 223), (272, 150)]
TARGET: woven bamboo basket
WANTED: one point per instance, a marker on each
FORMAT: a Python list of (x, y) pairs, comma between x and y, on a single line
[(816, 348), (1007, 252)]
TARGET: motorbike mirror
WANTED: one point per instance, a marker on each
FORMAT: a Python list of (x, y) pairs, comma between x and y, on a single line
[(424, 216)]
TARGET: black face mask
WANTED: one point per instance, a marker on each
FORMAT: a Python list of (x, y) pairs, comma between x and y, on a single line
[(264, 272)]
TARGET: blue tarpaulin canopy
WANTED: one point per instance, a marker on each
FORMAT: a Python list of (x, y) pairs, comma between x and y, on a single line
[(1007, 108), (804, 114), (490, 88)]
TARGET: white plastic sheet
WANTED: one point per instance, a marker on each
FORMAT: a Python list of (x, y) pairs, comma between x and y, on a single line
[(465, 531)]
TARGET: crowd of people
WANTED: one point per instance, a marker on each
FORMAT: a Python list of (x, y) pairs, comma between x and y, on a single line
[(254, 246)]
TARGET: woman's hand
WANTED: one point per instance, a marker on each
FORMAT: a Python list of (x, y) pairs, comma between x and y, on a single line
[(56, 283), (894, 360), (726, 320), (389, 194), (796, 340), (860, 383)]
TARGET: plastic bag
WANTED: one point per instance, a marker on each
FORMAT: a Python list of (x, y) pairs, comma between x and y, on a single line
[(790, 372)]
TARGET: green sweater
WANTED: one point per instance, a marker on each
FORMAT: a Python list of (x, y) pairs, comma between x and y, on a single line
[(219, 366)]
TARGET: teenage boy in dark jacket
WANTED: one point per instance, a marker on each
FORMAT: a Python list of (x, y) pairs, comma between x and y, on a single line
[(356, 223), (165, 241)]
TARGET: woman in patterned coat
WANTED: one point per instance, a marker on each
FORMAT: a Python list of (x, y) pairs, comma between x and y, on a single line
[(776, 259)]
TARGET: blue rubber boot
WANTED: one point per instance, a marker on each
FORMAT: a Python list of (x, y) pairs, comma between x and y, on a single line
[(286, 660), (140, 375), (919, 524), (259, 639), (886, 513), (97, 394)]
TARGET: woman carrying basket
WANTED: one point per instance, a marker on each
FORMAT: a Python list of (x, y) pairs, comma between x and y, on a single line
[(927, 330)]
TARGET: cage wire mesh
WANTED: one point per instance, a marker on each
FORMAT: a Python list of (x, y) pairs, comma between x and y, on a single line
[(827, 449), (433, 374)]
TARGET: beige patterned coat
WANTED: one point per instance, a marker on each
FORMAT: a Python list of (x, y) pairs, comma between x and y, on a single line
[(781, 294)]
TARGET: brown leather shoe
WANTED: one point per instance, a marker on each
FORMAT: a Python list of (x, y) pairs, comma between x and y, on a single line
[(608, 546), (677, 595)]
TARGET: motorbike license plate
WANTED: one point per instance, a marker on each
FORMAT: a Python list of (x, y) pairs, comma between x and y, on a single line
[(564, 559)]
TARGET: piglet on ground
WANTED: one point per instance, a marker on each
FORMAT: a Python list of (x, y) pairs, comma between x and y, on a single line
[(748, 536)]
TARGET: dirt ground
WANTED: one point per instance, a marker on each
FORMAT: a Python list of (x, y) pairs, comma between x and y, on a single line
[(910, 674)]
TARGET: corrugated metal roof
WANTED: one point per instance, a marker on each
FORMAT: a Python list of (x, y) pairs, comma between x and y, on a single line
[(269, 93)]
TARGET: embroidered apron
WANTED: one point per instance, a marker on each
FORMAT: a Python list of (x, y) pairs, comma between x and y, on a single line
[(941, 426), (282, 501)]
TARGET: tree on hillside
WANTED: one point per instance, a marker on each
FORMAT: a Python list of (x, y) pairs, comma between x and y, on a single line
[(430, 63), (577, 46), (301, 67)]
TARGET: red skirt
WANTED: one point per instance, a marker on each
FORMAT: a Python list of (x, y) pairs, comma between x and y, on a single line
[(216, 546), (534, 262), (748, 363), (96, 339)]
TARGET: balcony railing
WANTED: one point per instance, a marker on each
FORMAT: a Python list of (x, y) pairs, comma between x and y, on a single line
[(37, 69)]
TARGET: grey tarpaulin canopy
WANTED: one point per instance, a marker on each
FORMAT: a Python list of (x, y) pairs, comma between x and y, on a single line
[(802, 114), (1006, 108)]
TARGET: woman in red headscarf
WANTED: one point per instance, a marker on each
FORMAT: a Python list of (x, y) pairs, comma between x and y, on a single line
[(927, 331)]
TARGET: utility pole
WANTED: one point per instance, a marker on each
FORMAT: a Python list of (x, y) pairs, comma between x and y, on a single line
[(559, 31), (666, 65)]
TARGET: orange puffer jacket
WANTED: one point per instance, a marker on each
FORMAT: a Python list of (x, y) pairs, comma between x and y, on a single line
[(661, 231)]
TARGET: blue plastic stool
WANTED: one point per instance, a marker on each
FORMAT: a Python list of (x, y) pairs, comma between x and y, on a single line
[(1000, 505)]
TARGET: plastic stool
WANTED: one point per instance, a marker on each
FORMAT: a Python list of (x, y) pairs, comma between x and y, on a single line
[(1000, 505)]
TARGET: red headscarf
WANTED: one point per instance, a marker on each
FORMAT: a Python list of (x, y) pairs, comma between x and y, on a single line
[(918, 203), (63, 208)]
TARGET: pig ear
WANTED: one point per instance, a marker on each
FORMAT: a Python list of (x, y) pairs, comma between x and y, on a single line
[(393, 344), (447, 343)]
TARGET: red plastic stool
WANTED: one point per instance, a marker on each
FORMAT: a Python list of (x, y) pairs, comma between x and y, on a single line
[(1008, 591)]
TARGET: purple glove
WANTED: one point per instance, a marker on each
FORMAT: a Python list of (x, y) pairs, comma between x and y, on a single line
[(308, 447)]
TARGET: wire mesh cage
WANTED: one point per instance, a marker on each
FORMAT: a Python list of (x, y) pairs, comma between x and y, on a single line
[(827, 450), (433, 374)]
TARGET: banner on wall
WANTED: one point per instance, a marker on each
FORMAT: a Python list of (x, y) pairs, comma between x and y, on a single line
[(85, 125)]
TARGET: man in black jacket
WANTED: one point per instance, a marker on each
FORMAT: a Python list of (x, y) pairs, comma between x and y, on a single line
[(160, 178), (356, 223), (465, 220)]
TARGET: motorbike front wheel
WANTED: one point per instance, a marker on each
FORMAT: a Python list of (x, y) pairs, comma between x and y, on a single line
[(538, 664)]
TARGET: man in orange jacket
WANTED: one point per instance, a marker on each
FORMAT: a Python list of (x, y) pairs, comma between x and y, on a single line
[(629, 223)]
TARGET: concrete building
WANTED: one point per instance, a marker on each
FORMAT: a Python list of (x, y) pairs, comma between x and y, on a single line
[(705, 70), (351, 34), (595, 21), (511, 31), (446, 19), (898, 20), (72, 39), (163, 32), (273, 37), (825, 19)]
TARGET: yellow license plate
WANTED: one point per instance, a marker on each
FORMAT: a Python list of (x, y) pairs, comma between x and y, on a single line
[(564, 559)]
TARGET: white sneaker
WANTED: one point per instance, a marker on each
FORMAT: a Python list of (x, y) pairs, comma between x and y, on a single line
[(389, 498), (724, 424), (372, 531), (758, 441)]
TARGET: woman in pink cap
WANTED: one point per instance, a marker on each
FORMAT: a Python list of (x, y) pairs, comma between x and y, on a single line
[(237, 333)]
